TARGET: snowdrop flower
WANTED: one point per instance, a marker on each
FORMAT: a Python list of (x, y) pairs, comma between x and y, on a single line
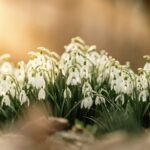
[(45, 63), (77, 40), (127, 88), (64, 63), (12, 90), (31, 65), (20, 72), (103, 60), (31, 79), (86, 89), (39, 81), (79, 58), (7, 86), (100, 79), (147, 58), (43, 50), (85, 71), (142, 82), (71, 47), (92, 48), (143, 96), (49, 65), (76, 56), (65, 58), (103, 67), (74, 77), (4, 86), (5, 101), (41, 94), (126, 85), (116, 84), (87, 102), (115, 72), (23, 98), (6, 68), (76, 44), (20, 75), (67, 93), (99, 100), (40, 60), (120, 81), (63, 69), (147, 67), (93, 56)]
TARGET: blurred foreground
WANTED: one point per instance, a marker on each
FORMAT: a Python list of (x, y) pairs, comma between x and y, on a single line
[(37, 132)]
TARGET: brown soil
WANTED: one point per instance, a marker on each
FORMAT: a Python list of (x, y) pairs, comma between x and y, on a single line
[(45, 134)]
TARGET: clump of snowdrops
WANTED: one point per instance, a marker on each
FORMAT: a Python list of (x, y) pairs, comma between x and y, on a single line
[(82, 83)]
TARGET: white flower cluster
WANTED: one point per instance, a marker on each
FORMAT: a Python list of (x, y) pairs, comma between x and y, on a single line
[(143, 81), (93, 73), (76, 64), (83, 65), (17, 82)]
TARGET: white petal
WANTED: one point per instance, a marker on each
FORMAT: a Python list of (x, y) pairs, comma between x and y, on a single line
[(41, 94), (23, 98), (6, 101)]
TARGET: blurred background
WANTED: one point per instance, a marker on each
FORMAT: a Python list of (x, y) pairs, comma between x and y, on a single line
[(121, 27)]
